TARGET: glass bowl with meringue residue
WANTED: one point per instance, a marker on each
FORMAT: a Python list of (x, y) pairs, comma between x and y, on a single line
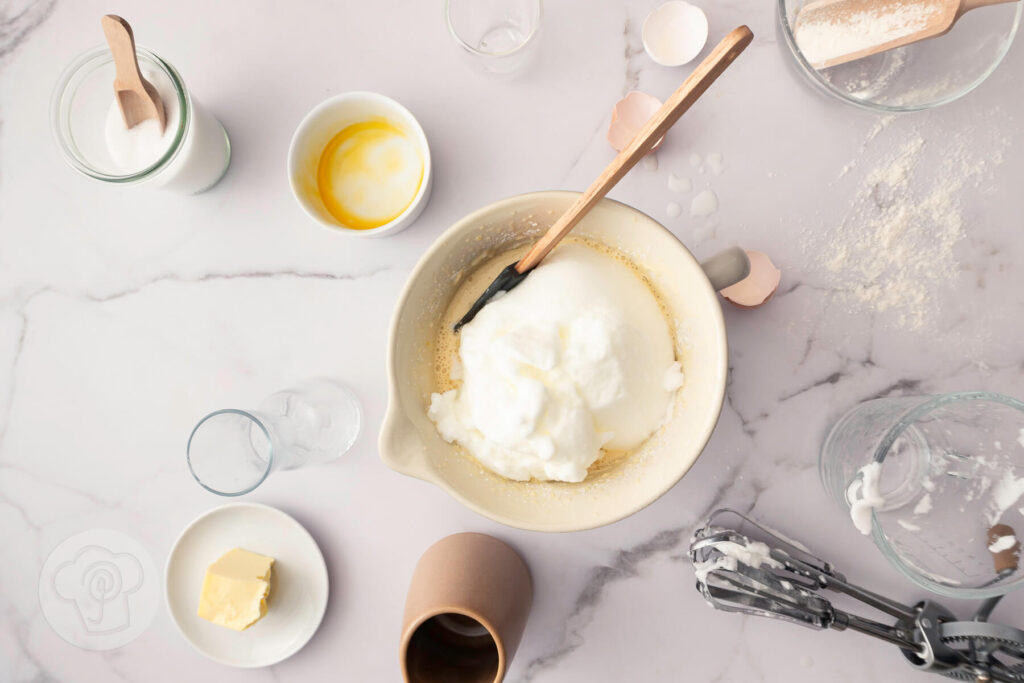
[(938, 483), (918, 76)]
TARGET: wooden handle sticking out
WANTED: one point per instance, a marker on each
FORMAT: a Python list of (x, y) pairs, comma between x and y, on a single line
[(136, 96), (688, 93), (121, 41)]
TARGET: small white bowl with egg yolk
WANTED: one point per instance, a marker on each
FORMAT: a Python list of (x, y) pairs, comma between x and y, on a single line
[(359, 163)]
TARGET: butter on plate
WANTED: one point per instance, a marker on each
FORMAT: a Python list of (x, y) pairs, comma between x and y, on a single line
[(235, 589)]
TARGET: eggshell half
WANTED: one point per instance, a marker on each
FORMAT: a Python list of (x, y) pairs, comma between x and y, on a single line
[(758, 287), (675, 33), (628, 116)]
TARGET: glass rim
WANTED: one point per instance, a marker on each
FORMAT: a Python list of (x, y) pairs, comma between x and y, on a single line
[(905, 420), (263, 428), (534, 30), (95, 57), (815, 77), (929, 404)]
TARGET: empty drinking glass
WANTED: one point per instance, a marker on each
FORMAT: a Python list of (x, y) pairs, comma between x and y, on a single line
[(939, 483), (498, 35), (231, 452)]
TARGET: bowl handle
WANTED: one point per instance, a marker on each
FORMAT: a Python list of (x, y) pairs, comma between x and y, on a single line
[(726, 268)]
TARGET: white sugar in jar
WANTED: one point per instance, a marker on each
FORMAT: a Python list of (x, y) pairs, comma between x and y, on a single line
[(190, 155)]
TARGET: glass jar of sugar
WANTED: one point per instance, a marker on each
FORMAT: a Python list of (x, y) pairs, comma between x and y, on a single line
[(190, 155)]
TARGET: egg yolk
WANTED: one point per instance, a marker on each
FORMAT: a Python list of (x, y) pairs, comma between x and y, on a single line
[(369, 174)]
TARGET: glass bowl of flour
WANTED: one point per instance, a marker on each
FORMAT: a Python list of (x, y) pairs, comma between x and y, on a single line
[(917, 76)]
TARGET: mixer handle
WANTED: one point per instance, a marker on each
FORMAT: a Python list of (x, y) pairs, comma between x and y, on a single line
[(726, 268)]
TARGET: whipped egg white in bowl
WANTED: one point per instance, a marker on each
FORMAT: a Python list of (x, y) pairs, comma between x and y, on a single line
[(618, 483)]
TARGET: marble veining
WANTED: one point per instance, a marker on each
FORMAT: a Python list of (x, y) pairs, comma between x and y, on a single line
[(117, 336), (19, 19), (622, 567)]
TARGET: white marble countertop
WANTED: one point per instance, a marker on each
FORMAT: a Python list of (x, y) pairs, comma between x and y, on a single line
[(126, 315)]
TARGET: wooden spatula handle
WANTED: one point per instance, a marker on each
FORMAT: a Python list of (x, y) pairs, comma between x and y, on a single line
[(691, 89), (121, 41)]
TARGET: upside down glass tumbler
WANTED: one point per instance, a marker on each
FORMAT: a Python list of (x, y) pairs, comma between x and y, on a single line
[(232, 451)]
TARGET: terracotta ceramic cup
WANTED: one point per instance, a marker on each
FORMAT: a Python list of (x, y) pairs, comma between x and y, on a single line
[(465, 612)]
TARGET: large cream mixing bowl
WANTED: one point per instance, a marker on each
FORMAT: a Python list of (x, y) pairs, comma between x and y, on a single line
[(616, 487)]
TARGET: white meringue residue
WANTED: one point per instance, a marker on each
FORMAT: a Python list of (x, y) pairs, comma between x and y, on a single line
[(864, 496), (577, 358)]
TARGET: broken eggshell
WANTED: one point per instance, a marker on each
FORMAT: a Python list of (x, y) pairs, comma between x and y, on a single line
[(675, 33), (628, 116), (1005, 559), (758, 287)]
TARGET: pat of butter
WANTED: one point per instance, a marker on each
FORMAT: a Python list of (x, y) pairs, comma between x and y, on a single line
[(235, 589)]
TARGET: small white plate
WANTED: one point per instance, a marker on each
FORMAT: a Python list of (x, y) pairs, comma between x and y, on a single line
[(298, 585)]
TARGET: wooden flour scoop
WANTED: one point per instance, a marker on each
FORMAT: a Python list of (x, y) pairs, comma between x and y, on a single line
[(854, 29), (688, 93), (136, 97)]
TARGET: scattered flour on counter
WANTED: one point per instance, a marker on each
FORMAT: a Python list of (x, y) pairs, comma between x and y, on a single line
[(928, 92), (894, 249), (1002, 543), (924, 506), (906, 246), (896, 173), (908, 526), (1020, 437), (677, 184), (695, 160), (704, 204), (674, 210), (880, 125), (873, 80), (865, 497), (651, 162)]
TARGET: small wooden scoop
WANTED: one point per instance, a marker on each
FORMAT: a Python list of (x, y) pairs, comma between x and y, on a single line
[(136, 96), (688, 93), (832, 32)]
